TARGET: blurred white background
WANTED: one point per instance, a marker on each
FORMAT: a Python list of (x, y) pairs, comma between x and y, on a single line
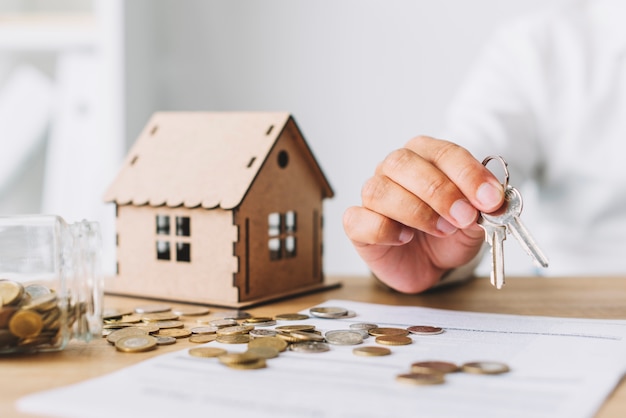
[(79, 78)]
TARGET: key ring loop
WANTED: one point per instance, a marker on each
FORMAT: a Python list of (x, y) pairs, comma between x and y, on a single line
[(504, 165)]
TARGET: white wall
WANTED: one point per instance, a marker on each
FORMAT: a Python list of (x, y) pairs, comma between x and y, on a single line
[(360, 76)]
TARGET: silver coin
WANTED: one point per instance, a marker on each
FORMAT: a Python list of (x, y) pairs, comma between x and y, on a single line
[(165, 340), (190, 310), (344, 337), (232, 314), (363, 325), (328, 312), (152, 309), (364, 333), (309, 347), (261, 324), (259, 333), (36, 290), (349, 314), (204, 330), (223, 323)]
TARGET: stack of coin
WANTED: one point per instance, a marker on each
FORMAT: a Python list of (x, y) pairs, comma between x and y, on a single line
[(31, 318)]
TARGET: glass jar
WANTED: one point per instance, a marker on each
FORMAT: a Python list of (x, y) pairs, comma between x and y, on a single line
[(51, 287)]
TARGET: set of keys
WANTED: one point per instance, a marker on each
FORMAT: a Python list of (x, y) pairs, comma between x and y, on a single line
[(506, 219)]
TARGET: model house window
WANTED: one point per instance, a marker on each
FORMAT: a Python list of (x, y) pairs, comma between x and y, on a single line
[(282, 229), (166, 242)]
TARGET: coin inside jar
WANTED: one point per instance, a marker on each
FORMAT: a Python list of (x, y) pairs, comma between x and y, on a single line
[(10, 292), (26, 324)]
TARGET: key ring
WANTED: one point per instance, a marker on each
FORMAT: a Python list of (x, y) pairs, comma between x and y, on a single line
[(504, 165)]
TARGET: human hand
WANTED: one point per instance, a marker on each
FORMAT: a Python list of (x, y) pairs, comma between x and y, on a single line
[(419, 211)]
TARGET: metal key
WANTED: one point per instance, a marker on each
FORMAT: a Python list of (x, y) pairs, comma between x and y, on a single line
[(508, 215), (497, 223), (495, 236)]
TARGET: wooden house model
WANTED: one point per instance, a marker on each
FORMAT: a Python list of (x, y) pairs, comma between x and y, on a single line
[(219, 208)]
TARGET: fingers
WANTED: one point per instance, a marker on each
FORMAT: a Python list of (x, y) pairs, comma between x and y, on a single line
[(473, 180), (365, 227), (432, 185), (386, 197)]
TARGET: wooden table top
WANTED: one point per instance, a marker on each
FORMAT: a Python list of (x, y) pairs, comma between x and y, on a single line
[(587, 297)]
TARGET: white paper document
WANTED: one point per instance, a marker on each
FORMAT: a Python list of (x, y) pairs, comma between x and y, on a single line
[(560, 367)]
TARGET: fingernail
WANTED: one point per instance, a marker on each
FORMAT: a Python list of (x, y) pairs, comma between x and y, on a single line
[(489, 195), (463, 212), (445, 226), (406, 235)]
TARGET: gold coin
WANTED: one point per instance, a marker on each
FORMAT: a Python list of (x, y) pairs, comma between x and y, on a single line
[(264, 352), (114, 313), (375, 332), (125, 332), (11, 292), (291, 317), (275, 342), (434, 367), (290, 328), (158, 316), (206, 352), (421, 378), (371, 351), (136, 343), (236, 330), (168, 324), (238, 358), (257, 319), (306, 336), (26, 324), (202, 338), (424, 330), (287, 337), (175, 332), (394, 340), (257, 364), (130, 319), (485, 367), (233, 339), (150, 327)]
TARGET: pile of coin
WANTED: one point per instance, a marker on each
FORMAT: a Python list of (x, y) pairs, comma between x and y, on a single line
[(147, 327), (30, 317), (434, 372)]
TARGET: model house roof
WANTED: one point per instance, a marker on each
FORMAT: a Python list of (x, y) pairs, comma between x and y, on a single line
[(207, 159)]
